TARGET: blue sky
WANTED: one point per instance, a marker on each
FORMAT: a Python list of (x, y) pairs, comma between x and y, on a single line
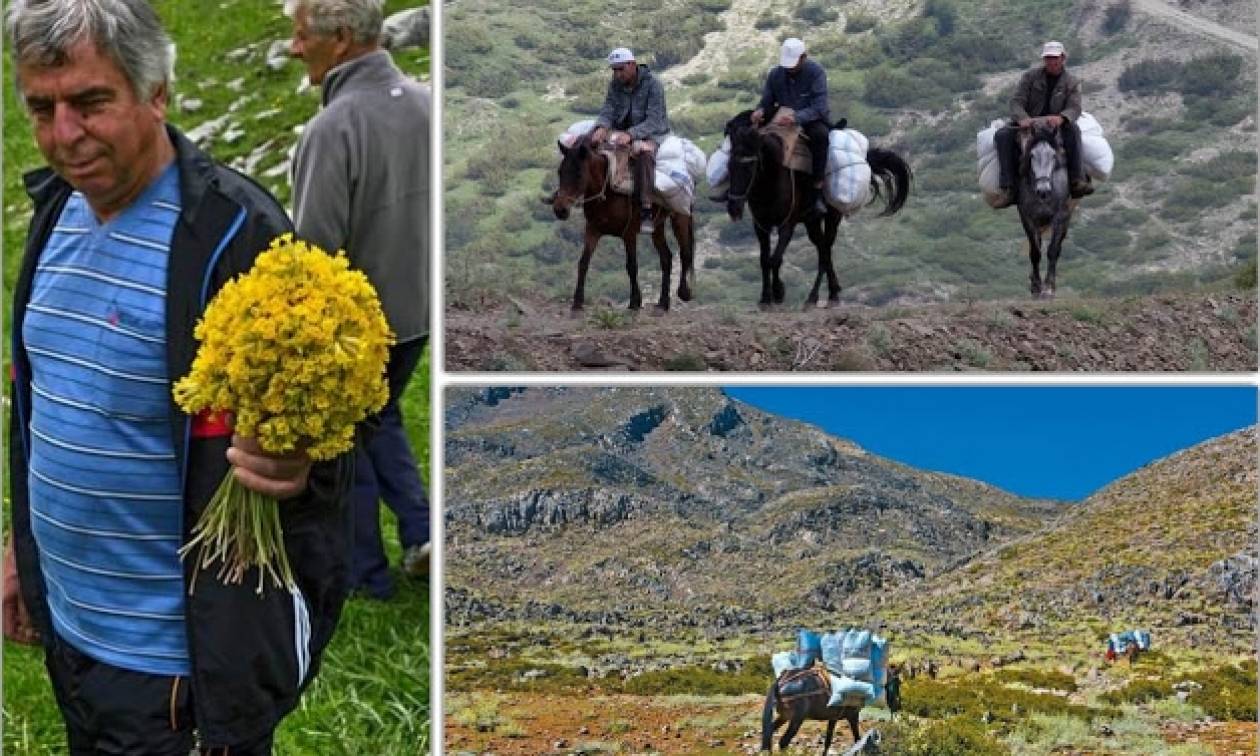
[(1051, 442)]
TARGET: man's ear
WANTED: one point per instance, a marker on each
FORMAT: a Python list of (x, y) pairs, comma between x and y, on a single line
[(343, 40), (158, 101)]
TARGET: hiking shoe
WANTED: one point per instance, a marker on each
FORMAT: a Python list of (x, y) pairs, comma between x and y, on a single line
[(646, 226), (1081, 189), (722, 197), (416, 560), (1006, 197)]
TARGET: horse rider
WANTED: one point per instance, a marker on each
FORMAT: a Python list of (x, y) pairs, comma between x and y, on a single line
[(801, 85), (634, 111), (1051, 92)]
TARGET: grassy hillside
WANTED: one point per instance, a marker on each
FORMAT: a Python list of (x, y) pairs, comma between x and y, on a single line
[(921, 77), (372, 695)]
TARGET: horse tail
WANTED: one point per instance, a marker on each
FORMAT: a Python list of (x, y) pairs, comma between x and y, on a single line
[(888, 168), (687, 252), (767, 716)]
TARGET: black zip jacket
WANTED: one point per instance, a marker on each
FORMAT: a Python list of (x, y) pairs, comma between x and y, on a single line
[(251, 655)]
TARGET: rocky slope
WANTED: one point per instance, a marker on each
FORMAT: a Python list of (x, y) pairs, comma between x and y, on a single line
[(1192, 332), (560, 498), (1171, 546)]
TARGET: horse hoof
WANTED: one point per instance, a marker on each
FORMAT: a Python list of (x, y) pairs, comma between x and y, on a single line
[(684, 295), (660, 309), (810, 304), (833, 303), (575, 313)]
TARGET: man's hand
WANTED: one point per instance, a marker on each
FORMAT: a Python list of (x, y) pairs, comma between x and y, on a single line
[(1054, 121), (17, 622), (621, 138), (1025, 123), (757, 117), (597, 136), (784, 119), (279, 476)]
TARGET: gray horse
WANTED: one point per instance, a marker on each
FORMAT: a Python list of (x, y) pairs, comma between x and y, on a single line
[(1044, 201)]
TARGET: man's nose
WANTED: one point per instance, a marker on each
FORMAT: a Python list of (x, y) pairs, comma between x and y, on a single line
[(67, 126)]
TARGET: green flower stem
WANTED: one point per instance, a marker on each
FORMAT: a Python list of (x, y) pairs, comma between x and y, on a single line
[(240, 530)]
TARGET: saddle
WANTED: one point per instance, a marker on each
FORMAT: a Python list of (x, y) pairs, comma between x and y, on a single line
[(796, 154), (620, 177)]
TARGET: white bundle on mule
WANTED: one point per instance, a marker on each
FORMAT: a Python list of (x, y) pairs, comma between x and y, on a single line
[(574, 132), (987, 164), (674, 181), (848, 184), (1095, 151), (718, 170)]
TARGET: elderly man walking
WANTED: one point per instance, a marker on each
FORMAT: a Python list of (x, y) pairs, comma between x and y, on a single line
[(134, 229), (361, 183)]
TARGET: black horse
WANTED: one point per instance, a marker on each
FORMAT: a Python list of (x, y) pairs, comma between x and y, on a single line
[(584, 182), (780, 197), (1044, 201), (799, 695)]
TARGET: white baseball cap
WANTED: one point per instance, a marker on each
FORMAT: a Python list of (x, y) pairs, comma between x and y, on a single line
[(619, 56), (791, 52), (1052, 50)]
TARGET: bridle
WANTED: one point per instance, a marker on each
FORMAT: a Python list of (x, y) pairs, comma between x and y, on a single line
[(756, 161)]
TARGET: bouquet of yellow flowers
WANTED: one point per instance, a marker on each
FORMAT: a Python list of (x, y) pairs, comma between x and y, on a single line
[(295, 351)]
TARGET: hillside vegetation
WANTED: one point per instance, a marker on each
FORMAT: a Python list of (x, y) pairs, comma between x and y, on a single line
[(918, 76)]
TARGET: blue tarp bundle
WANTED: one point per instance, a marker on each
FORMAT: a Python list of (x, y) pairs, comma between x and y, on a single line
[(1119, 642), (856, 659)]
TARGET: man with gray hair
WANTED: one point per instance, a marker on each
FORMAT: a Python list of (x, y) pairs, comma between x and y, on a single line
[(361, 183), (134, 229)]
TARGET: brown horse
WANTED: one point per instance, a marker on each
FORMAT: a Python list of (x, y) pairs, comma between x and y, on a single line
[(799, 695), (584, 181)]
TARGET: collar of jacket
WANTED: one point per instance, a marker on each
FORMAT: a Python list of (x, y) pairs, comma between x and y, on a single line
[(368, 71)]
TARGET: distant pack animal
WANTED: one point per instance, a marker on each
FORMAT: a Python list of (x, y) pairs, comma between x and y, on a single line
[(1044, 201), (584, 181), (778, 199), (798, 695)]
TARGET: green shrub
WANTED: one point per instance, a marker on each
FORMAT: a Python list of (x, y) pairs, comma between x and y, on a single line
[(1228, 692), (1147, 77), (1139, 691), (977, 698), (860, 21), (816, 12), (1050, 679), (1212, 75), (959, 736), (1116, 17), (943, 13), (889, 87)]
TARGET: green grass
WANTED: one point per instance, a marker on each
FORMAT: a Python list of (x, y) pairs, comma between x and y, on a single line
[(372, 693)]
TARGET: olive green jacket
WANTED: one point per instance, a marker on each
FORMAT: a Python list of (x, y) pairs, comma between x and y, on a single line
[(1030, 96)]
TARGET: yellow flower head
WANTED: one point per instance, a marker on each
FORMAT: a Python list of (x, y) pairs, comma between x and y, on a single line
[(295, 349)]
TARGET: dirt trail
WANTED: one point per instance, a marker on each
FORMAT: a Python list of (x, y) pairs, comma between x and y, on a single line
[(1184, 332), (737, 34), (1187, 21)]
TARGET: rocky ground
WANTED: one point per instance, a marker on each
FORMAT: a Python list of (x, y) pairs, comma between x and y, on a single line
[(575, 724), (1178, 332)]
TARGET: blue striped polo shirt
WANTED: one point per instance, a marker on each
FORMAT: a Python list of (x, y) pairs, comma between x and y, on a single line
[(105, 491)]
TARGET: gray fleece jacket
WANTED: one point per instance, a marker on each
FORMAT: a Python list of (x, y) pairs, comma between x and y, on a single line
[(643, 106), (361, 183)]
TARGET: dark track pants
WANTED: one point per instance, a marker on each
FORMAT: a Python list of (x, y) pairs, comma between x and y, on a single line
[(108, 710), (385, 469)]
